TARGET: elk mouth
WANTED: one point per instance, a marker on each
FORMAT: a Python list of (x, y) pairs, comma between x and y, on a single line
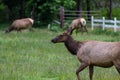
[(53, 41)]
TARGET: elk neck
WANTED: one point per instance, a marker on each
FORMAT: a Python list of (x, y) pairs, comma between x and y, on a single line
[(72, 45)]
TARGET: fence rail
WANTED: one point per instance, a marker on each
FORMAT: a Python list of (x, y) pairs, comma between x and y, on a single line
[(105, 23), (81, 11), (72, 14)]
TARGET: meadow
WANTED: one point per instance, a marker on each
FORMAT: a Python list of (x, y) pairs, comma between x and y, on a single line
[(31, 56)]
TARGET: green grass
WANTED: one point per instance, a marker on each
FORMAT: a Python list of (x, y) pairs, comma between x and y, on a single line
[(31, 56)]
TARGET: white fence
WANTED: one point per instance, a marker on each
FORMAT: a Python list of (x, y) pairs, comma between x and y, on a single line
[(105, 23)]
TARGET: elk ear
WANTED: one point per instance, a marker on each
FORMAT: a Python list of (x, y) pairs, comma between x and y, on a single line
[(67, 32)]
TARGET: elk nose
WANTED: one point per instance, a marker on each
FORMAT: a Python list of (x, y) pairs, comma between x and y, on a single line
[(53, 41)]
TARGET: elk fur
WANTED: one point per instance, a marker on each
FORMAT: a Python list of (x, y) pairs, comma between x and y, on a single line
[(92, 53), (20, 24), (78, 24)]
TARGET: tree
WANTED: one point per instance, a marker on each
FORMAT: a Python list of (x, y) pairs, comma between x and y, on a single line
[(44, 11), (16, 8), (110, 10), (79, 7), (88, 9), (22, 9)]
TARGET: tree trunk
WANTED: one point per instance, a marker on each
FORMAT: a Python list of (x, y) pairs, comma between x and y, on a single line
[(110, 10), (88, 9), (79, 8), (22, 9)]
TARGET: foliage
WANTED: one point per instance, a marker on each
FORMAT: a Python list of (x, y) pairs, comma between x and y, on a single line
[(69, 4), (116, 12), (49, 10), (45, 11), (2, 11)]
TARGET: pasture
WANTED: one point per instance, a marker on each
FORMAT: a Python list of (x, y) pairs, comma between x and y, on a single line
[(31, 56)]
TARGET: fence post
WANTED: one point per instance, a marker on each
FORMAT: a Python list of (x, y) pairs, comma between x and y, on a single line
[(103, 24), (115, 24), (61, 17), (92, 22)]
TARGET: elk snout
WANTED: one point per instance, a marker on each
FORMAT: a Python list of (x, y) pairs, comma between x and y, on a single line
[(53, 40)]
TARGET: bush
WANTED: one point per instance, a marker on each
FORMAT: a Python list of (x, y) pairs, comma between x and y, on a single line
[(109, 32)]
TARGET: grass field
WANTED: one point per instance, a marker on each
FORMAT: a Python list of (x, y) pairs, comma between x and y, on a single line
[(31, 56)]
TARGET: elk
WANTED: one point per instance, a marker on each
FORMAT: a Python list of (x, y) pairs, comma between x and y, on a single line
[(91, 53), (20, 24), (78, 24)]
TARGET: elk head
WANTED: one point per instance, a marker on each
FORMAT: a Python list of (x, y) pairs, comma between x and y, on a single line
[(61, 38)]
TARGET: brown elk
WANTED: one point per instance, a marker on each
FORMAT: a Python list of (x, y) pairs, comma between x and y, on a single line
[(91, 53), (78, 24), (20, 24)]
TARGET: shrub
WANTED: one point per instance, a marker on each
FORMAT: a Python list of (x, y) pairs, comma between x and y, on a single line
[(109, 32)]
